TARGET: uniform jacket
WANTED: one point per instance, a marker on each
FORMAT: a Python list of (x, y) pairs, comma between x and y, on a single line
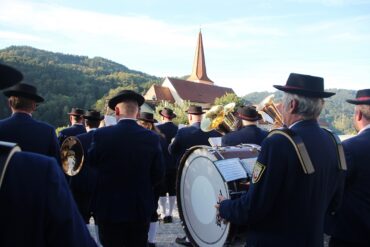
[(169, 130), (129, 162), (188, 137), (74, 130), (250, 134), (30, 134), (352, 222), (285, 207), (37, 208)]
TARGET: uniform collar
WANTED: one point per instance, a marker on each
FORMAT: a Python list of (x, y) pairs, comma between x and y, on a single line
[(301, 123), (197, 124), (24, 114), (126, 118)]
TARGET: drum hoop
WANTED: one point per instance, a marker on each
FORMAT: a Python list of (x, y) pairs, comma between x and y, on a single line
[(178, 189)]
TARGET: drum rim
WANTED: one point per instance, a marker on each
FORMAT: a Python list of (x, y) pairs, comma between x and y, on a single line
[(178, 189)]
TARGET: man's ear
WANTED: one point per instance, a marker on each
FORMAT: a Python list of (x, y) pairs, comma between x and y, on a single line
[(359, 116), (116, 111), (293, 106)]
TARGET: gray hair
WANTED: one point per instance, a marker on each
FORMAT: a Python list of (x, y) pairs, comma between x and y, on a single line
[(365, 110), (308, 108)]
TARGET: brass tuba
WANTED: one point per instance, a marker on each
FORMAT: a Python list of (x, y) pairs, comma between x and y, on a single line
[(220, 118), (270, 113), (71, 155)]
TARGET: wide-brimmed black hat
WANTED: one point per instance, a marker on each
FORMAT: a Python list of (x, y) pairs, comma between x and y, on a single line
[(24, 90), (147, 117), (305, 85), (362, 98), (195, 110), (248, 113), (125, 95), (76, 112), (167, 112), (9, 76), (93, 115)]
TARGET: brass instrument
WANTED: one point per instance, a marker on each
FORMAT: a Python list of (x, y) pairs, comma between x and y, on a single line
[(71, 156), (220, 118), (270, 113)]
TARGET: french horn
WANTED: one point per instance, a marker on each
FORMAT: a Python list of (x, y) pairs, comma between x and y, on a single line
[(220, 118), (269, 112), (71, 155)]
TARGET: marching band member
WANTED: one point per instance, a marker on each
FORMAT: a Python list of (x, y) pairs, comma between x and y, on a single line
[(84, 183), (188, 137), (77, 125), (147, 120), (31, 135), (129, 162), (288, 198), (169, 129), (250, 132), (350, 226), (36, 207)]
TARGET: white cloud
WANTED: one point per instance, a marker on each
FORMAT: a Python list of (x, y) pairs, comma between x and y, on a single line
[(20, 36)]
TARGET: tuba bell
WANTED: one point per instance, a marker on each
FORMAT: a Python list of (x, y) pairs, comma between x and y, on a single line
[(270, 113), (220, 118), (71, 155)]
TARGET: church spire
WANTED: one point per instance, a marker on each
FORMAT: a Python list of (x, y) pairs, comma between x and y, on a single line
[(199, 73)]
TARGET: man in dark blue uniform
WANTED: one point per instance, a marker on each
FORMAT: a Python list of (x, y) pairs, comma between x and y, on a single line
[(77, 127), (36, 206), (249, 133), (350, 226), (288, 198), (31, 135), (188, 137), (129, 162), (169, 130), (84, 183)]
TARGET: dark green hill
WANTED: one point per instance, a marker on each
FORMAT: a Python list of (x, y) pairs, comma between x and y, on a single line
[(337, 112), (68, 80)]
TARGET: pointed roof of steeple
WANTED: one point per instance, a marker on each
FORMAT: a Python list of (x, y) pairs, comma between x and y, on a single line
[(199, 73)]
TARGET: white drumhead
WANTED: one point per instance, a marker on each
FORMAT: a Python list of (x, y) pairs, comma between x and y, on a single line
[(201, 183)]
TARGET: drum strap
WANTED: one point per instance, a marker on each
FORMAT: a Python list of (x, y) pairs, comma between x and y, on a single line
[(299, 147), (342, 165), (7, 150)]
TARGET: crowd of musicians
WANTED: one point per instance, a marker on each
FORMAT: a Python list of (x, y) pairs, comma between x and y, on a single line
[(130, 168)]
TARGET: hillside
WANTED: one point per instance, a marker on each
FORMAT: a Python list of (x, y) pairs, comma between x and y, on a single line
[(66, 81)]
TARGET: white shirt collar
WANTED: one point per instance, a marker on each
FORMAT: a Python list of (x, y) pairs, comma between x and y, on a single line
[(92, 129), (366, 127)]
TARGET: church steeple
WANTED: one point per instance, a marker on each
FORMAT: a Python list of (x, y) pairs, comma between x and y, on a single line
[(199, 73)]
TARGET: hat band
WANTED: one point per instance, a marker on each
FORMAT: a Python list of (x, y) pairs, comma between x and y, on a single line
[(363, 98)]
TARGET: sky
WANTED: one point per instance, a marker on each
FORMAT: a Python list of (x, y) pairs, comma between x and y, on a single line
[(250, 45)]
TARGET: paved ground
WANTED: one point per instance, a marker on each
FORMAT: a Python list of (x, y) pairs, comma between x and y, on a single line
[(167, 233)]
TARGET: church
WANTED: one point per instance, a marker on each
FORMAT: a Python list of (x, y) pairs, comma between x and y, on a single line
[(197, 88)]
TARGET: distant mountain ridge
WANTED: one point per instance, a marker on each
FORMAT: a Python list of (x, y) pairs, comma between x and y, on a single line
[(67, 81)]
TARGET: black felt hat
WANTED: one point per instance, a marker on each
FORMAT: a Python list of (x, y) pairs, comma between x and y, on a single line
[(249, 113), (76, 112), (147, 117), (195, 110), (362, 98), (125, 95), (9, 76), (305, 85), (167, 112), (24, 90), (93, 115)]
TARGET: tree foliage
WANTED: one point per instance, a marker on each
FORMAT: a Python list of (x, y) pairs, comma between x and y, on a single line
[(229, 98), (67, 81)]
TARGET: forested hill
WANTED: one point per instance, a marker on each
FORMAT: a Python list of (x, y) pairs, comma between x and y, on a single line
[(66, 81), (337, 113)]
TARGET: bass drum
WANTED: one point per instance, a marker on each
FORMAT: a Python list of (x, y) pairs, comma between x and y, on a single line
[(204, 173)]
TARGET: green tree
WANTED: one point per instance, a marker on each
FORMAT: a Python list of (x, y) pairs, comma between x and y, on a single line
[(229, 98)]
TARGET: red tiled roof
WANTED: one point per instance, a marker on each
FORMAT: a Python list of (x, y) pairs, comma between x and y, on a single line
[(198, 92), (163, 93)]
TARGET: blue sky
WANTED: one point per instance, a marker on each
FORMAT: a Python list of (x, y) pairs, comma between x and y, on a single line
[(249, 45)]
